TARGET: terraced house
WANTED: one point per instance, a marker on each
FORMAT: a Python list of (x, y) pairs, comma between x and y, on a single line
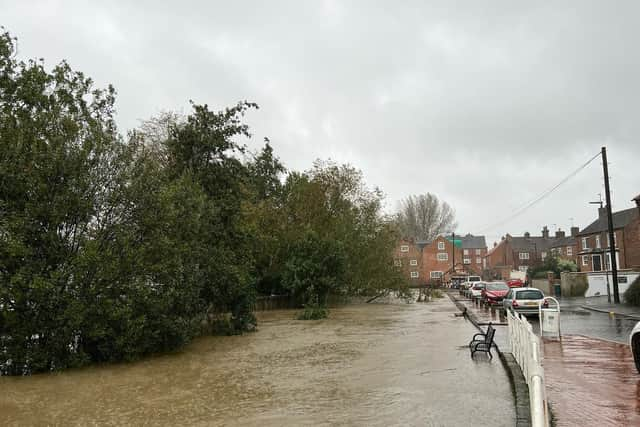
[(518, 253), (594, 244)]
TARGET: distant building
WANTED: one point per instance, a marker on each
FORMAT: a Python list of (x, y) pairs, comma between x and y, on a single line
[(566, 247), (441, 259), (521, 252)]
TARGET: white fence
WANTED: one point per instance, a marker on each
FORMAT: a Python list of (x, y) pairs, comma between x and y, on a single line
[(525, 346)]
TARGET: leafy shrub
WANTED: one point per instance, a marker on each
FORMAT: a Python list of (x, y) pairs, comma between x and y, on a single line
[(313, 312), (632, 294)]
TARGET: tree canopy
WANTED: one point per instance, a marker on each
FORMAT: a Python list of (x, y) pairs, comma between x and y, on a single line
[(115, 247), (424, 217)]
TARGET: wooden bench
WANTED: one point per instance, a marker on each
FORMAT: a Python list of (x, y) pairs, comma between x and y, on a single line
[(483, 342)]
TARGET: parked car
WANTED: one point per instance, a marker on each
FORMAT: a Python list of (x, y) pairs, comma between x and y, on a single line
[(524, 300), (494, 292), (515, 283), (634, 342), (476, 289)]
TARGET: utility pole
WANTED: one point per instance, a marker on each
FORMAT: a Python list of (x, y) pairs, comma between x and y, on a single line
[(612, 241)]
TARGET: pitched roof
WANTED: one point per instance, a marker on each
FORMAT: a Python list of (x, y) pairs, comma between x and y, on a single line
[(532, 243), (473, 242), (564, 241), (620, 219)]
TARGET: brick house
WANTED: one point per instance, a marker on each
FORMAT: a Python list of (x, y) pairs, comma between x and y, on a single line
[(566, 247), (424, 261), (438, 257), (594, 244), (519, 253), (407, 257)]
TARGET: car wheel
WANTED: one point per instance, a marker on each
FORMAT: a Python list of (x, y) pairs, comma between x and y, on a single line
[(635, 348)]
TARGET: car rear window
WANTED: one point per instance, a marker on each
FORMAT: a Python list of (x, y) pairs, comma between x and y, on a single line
[(529, 294), (497, 287)]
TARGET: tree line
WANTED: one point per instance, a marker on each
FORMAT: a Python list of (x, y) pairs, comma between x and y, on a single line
[(117, 246)]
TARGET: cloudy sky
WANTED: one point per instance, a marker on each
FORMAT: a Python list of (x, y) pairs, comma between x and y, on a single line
[(486, 104)]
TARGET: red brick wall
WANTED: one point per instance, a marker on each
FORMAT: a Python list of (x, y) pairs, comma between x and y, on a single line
[(632, 244), (405, 258), (621, 244), (430, 257)]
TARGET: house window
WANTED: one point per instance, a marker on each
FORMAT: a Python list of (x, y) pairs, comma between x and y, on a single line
[(523, 255), (478, 251), (585, 259), (441, 246), (598, 242), (404, 248), (615, 240), (467, 260), (466, 252), (543, 255), (559, 251), (414, 274), (436, 274), (523, 268), (584, 243), (569, 251), (478, 260), (443, 256), (397, 262), (413, 262)]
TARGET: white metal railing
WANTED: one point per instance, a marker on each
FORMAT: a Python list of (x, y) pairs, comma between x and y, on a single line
[(525, 346)]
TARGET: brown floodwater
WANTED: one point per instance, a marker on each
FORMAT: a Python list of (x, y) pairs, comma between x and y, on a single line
[(367, 364)]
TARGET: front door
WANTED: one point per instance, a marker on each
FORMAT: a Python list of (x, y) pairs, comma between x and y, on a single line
[(597, 262)]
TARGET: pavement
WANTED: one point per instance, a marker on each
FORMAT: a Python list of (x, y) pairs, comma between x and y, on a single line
[(590, 375)]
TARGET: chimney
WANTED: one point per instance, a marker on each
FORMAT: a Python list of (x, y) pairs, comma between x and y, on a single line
[(495, 244), (602, 214), (527, 234), (559, 233), (545, 232), (637, 200), (574, 231)]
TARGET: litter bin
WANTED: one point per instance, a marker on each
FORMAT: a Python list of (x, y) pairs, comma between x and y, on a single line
[(557, 290)]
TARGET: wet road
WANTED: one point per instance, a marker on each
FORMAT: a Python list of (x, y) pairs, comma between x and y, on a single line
[(590, 376), (373, 365)]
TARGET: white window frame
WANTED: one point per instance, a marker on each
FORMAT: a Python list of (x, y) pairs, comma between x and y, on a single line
[(415, 274), (478, 260), (404, 248), (413, 262), (465, 251), (442, 256), (597, 241), (466, 260), (585, 243), (543, 254), (435, 274), (441, 246), (585, 259), (569, 251), (397, 262), (523, 255), (615, 240), (478, 251)]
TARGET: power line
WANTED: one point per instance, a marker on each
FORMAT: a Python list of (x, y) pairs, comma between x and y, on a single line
[(521, 210)]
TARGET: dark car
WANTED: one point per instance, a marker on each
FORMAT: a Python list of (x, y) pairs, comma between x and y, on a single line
[(494, 292)]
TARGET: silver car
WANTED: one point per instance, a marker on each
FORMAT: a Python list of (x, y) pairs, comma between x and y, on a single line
[(524, 300)]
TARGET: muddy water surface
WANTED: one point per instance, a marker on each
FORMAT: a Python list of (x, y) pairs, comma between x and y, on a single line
[(373, 364)]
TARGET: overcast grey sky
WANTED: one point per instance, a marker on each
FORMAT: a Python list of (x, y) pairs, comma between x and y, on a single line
[(485, 104)]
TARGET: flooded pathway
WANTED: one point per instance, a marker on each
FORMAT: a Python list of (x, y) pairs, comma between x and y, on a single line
[(373, 365)]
